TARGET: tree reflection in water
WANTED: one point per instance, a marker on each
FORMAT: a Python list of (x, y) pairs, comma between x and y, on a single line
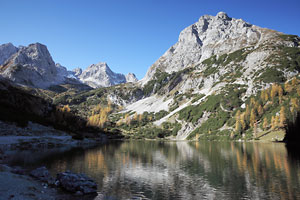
[(187, 170)]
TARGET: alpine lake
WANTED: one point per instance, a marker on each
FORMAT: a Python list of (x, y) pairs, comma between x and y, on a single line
[(136, 169)]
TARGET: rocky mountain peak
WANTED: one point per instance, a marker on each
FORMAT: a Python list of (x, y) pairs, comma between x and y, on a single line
[(6, 51), (209, 36), (100, 75), (77, 71), (223, 15), (130, 77), (32, 66)]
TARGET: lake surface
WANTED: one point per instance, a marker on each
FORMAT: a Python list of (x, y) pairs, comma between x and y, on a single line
[(185, 170)]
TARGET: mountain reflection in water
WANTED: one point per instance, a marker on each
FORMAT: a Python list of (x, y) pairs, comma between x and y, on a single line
[(186, 170)]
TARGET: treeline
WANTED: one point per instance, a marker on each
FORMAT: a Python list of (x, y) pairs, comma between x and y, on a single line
[(272, 109), (20, 107)]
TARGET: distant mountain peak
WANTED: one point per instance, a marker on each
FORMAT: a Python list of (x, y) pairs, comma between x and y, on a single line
[(223, 15), (100, 75), (130, 77), (33, 66)]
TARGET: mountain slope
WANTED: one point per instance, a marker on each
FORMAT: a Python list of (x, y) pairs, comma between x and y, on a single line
[(224, 78), (212, 72), (209, 36)]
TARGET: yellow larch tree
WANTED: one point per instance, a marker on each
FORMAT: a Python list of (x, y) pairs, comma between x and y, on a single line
[(282, 121), (265, 123), (273, 123), (252, 117), (238, 122)]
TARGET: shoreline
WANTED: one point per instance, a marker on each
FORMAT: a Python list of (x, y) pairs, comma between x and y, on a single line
[(16, 182)]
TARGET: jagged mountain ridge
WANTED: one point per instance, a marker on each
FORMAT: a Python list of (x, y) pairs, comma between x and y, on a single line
[(100, 75), (33, 66), (195, 90), (216, 57), (6, 51), (210, 35)]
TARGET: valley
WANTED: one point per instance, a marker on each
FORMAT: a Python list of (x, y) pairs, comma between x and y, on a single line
[(224, 79)]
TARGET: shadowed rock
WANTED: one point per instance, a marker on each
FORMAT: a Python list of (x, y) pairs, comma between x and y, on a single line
[(79, 184)]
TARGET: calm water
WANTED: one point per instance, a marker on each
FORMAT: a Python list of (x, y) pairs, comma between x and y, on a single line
[(186, 170)]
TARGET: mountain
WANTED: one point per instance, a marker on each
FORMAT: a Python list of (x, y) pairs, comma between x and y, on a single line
[(100, 75), (131, 78), (223, 78), (33, 66), (6, 51), (211, 36)]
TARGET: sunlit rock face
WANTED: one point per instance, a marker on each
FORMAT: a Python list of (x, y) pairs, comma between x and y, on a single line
[(33, 66), (100, 75), (210, 35), (6, 51)]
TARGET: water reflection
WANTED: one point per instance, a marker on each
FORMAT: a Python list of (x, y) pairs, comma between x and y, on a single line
[(186, 170)]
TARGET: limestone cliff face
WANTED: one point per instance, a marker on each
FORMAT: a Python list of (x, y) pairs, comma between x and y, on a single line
[(32, 66), (100, 75), (218, 55), (210, 35), (6, 51)]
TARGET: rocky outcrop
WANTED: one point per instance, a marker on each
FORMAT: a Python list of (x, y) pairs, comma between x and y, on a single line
[(79, 184), (210, 35), (6, 51), (43, 175), (32, 66)]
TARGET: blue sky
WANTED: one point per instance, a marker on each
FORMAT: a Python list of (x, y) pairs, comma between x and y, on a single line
[(130, 35)]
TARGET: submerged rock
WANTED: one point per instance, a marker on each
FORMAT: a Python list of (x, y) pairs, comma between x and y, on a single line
[(76, 183)]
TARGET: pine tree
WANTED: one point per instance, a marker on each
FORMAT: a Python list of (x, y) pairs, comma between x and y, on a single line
[(255, 129), (273, 123), (279, 91), (247, 114), (266, 97), (140, 117), (135, 117), (294, 82), (237, 122), (288, 87), (242, 120), (252, 117), (260, 110), (277, 121), (262, 95), (252, 102), (282, 122), (274, 90), (294, 103), (265, 123)]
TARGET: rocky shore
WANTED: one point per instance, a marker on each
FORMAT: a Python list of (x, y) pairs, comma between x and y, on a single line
[(25, 183)]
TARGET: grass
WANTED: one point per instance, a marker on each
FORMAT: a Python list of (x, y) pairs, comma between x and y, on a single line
[(270, 136)]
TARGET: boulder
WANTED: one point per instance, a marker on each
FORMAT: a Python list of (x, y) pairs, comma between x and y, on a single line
[(43, 174), (76, 183)]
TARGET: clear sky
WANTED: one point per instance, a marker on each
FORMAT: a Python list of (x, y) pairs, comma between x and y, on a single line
[(130, 35)]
